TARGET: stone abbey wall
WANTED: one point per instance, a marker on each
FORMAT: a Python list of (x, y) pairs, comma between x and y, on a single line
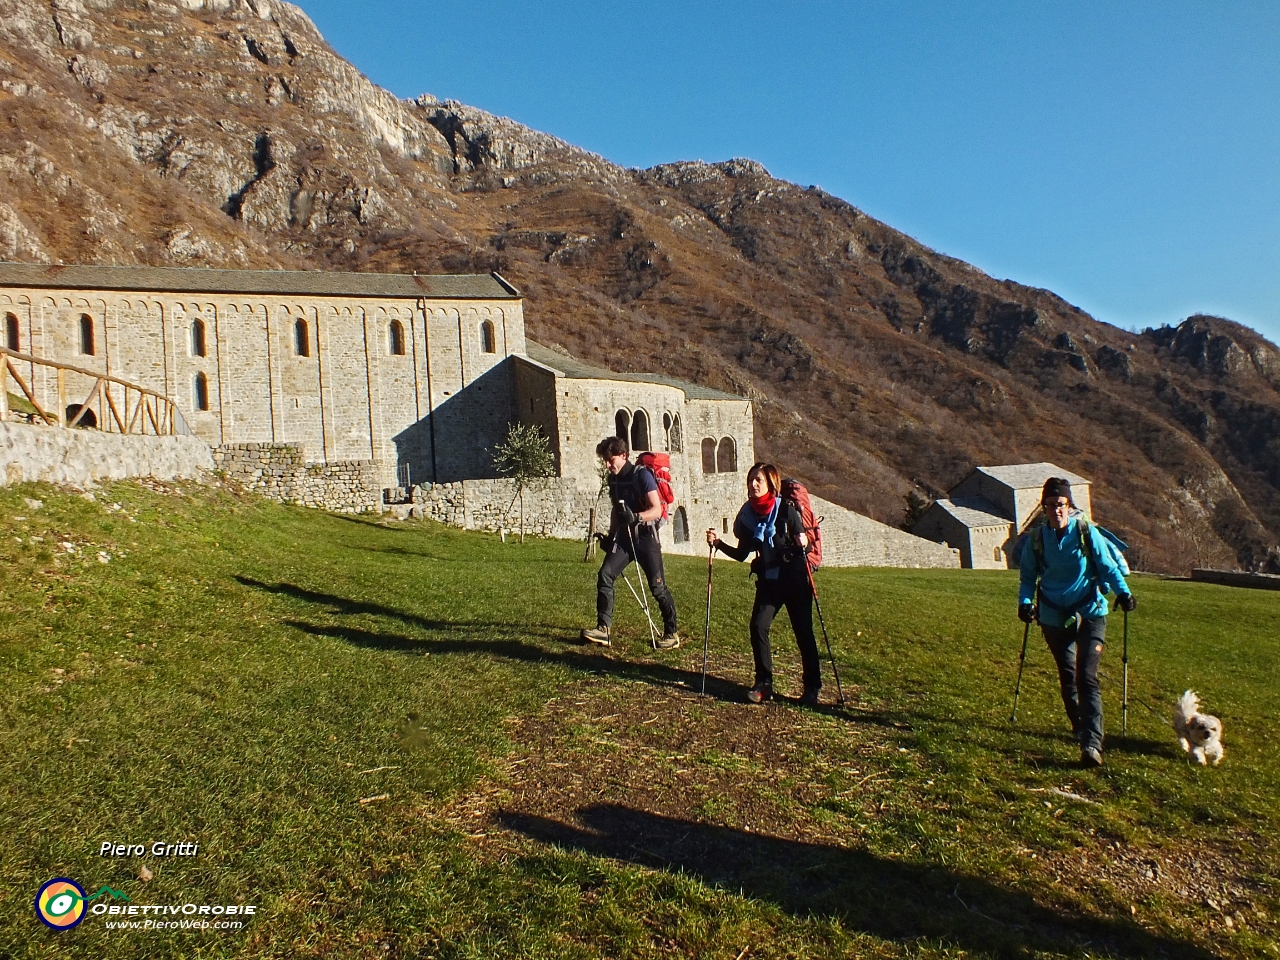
[(319, 372)]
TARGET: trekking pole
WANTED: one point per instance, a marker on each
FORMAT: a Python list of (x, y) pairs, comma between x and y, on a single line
[(642, 598), (1124, 708), (706, 636), (821, 620), (1022, 659)]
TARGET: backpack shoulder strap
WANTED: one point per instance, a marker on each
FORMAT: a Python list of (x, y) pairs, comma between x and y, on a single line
[(1086, 543), (1037, 548)]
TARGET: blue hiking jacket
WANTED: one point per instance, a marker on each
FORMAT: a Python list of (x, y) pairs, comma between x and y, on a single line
[(1072, 581)]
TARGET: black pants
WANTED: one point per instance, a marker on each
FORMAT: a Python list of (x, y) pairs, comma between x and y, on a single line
[(1077, 653), (647, 553), (790, 590)]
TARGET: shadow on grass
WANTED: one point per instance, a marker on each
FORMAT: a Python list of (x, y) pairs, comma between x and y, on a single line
[(500, 638), (583, 660), (901, 902)]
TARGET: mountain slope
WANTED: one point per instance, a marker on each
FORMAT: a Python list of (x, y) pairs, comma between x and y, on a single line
[(228, 133)]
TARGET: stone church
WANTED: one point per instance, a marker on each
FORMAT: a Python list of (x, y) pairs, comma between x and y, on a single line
[(417, 377)]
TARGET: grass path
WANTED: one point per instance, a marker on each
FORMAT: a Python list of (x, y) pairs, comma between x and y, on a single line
[(191, 666)]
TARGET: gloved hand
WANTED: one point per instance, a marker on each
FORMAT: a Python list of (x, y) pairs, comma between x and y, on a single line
[(626, 514), (1127, 602), (603, 539), (1027, 613)]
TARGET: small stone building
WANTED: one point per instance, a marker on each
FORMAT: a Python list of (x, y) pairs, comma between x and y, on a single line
[(989, 509)]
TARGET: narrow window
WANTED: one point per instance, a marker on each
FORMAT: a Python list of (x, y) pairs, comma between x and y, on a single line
[(301, 338), (395, 339), (86, 335), (197, 338), (708, 455), (640, 431), (11, 338), (488, 338), (666, 431), (622, 425), (997, 553), (201, 392), (680, 526), (727, 456), (677, 435)]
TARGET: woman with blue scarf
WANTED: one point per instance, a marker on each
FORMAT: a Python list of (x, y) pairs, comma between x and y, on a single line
[(770, 527)]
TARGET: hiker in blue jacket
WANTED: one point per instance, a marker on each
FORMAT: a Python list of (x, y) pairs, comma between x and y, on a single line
[(1066, 577)]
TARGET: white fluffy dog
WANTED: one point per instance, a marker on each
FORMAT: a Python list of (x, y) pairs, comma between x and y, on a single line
[(1199, 734)]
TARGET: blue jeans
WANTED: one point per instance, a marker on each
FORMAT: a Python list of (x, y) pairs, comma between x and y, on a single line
[(1077, 652)]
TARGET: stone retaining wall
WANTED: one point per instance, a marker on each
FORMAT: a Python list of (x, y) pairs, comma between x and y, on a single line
[(82, 458), (560, 509), (851, 540), (279, 471)]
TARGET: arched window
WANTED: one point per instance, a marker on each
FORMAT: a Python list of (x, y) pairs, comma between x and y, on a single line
[(301, 338), (395, 339), (680, 526), (87, 420), (666, 431), (708, 455), (86, 335), (727, 456), (677, 435), (622, 425), (640, 431), (488, 338), (197, 338), (200, 392), (11, 338)]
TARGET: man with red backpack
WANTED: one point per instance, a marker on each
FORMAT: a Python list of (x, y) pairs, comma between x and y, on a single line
[(638, 509), (771, 526)]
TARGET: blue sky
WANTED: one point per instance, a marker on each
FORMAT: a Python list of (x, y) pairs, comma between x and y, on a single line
[(1125, 155)]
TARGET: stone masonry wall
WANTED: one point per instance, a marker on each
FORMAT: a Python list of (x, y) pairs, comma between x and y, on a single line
[(852, 540), (81, 458), (561, 508), (278, 471)]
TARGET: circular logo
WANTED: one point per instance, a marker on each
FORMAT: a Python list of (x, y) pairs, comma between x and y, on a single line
[(60, 903)]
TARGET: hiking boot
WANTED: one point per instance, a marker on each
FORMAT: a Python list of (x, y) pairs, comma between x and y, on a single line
[(598, 635), (810, 697), (669, 642), (760, 693), (1091, 757)]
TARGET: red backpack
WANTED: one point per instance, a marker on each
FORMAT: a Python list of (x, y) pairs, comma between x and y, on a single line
[(796, 492), (659, 464)]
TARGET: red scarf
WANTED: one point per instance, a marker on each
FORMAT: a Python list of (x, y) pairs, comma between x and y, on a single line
[(763, 505)]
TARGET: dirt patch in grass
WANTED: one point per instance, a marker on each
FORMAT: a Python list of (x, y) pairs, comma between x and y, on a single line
[(1202, 881), (671, 753)]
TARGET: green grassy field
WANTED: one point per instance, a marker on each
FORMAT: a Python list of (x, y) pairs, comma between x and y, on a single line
[(386, 739)]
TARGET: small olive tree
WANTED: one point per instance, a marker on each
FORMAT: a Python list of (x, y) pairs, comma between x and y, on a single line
[(525, 457)]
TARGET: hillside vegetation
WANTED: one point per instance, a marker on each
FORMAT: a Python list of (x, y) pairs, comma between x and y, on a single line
[(385, 737), (227, 133)]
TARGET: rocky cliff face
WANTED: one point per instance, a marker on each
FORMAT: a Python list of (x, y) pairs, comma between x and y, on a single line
[(228, 133)]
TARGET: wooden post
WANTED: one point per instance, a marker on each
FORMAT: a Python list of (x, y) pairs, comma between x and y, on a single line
[(62, 398)]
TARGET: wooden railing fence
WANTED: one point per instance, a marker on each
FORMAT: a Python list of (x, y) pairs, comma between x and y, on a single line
[(138, 408)]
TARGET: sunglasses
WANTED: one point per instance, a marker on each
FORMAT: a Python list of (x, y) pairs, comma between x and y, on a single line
[(1056, 505)]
